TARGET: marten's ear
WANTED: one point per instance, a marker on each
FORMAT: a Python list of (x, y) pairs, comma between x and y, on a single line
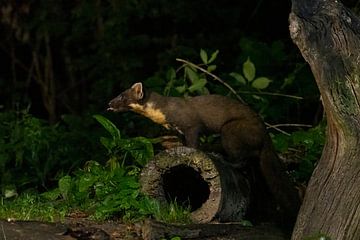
[(138, 89)]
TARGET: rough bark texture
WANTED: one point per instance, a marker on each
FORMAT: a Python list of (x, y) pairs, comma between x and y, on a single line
[(192, 177), (328, 36), (152, 230)]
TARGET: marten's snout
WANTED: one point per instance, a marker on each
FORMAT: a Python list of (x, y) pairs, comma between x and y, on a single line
[(112, 105), (117, 105)]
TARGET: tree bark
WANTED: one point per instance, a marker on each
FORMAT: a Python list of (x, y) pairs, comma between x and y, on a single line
[(328, 36)]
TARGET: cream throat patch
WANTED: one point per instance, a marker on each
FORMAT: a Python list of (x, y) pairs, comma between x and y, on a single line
[(148, 110)]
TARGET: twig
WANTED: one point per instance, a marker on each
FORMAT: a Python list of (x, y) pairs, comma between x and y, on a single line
[(276, 126), (272, 94), (213, 76), (289, 125), (277, 129)]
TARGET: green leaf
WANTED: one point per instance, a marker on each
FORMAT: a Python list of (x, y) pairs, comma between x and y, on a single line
[(108, 143), (261, 83), (181, 89), (213, 56), (65, 186), (192, 75), (198, 85), (238, 77), (86, 181), (211, 68), (249, 70), (109, 126), (204, 56), (288, 81), (171, 74), (51, 195)]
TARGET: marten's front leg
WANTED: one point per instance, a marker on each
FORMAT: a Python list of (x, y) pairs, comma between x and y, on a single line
[(192, 137)]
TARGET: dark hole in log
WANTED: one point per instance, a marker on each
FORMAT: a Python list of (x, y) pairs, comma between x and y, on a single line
[(186, 186)]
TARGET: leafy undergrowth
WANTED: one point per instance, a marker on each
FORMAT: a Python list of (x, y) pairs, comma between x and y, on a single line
[(99, 192), (112, 190), (302, 150)]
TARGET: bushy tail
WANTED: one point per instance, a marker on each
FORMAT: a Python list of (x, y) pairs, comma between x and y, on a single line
[(279, 183)]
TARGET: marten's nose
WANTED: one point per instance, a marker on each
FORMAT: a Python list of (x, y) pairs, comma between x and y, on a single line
[(111, 106)]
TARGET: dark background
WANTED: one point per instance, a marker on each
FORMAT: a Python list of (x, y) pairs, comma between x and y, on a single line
[(62, 61), (98, 48)]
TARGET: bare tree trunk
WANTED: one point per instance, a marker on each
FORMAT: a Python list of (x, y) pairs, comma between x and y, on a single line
[(328, 36), (44, 76)]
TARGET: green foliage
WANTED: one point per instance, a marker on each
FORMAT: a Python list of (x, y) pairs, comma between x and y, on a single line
[(303, 146), (139, 149), (248, 77), (102, 192), (30, 206), (193, 80), (114, 190), (33, 153), (106, 193)]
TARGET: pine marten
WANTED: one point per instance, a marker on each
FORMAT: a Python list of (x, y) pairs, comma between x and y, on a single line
[(243, 133)]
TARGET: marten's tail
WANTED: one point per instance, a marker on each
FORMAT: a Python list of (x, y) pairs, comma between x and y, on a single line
[(279, 183)]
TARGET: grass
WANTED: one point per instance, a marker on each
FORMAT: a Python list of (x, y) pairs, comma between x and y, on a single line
[(31, 207)]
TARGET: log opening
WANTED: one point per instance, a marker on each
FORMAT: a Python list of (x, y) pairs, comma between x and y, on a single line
[(186, 186)]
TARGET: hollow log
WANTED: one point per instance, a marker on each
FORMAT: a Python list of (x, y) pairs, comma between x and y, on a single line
[(192, 177)]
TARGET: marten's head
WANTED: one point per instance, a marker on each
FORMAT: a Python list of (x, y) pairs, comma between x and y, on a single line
[(127, 99)]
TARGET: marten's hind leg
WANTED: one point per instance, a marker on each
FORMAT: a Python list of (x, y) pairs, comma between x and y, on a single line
[(242, 142)]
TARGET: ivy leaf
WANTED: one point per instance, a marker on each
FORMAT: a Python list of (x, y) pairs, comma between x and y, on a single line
[(213, 56), (204, 56), (261, 83), (238, 77), (249, 70)]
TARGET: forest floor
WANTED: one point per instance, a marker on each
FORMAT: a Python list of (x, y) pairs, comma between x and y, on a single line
[(71, 228), (85, 229)]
